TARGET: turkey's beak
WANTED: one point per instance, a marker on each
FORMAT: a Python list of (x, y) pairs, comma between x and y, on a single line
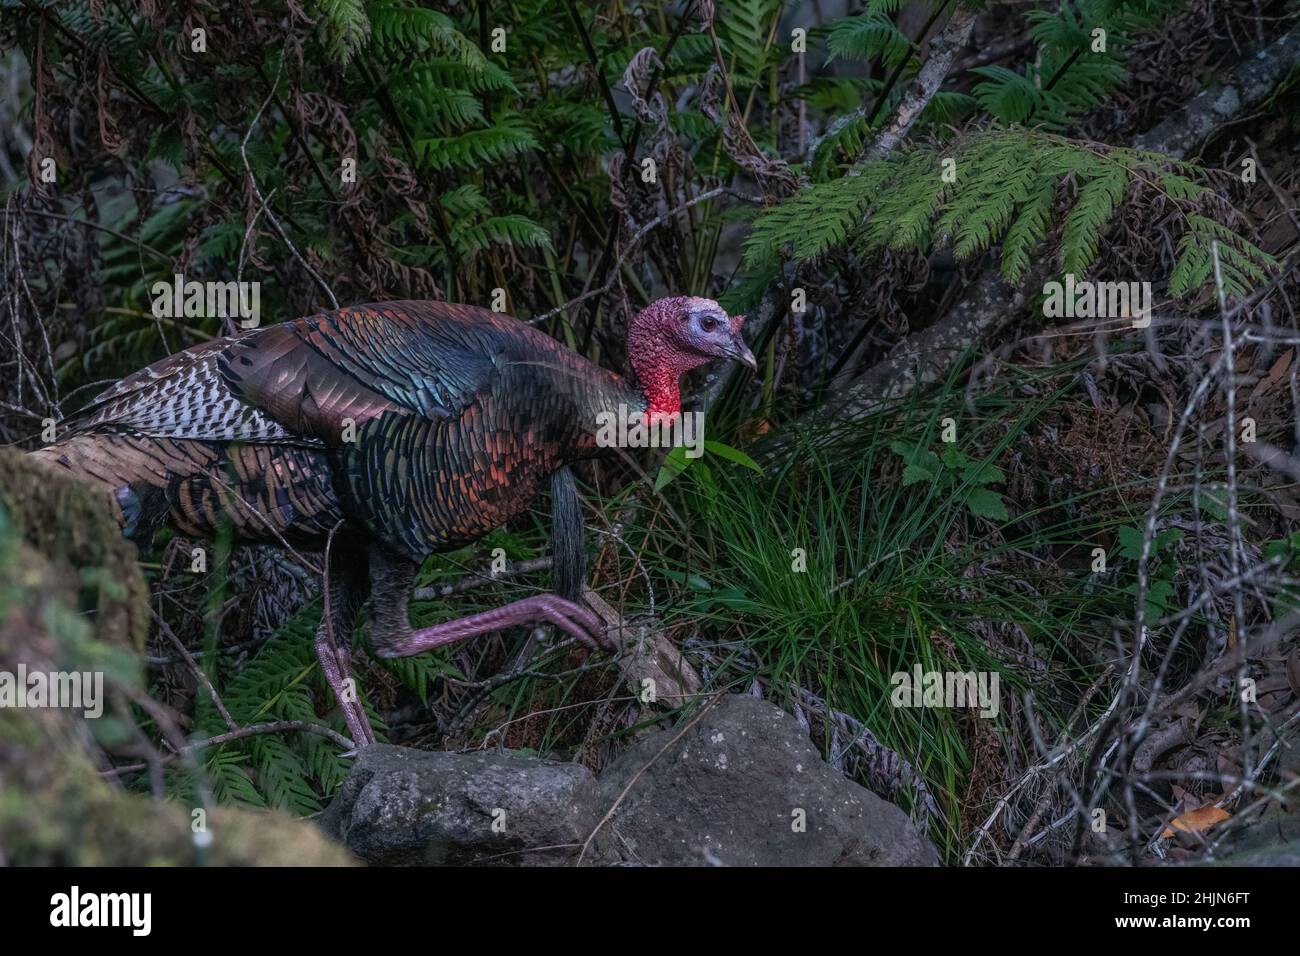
[(741, 353)]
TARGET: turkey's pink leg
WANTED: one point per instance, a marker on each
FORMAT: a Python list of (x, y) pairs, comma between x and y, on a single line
[(347, 586), (571, 618), (334, 663)]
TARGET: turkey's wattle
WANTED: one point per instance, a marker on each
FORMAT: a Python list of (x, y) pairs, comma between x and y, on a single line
[(399, 428)]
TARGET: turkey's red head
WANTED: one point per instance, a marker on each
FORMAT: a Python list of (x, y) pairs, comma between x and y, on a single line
[(671, 336)]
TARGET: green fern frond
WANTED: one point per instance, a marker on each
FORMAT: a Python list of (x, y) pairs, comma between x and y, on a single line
[(282, 776), (903, 213), (1177, 186), (992, 178), (400, 28), (746, 29), (1029, 229), (867, 36), (442, 73), (1003, 189), (837, 94), (1241, 265), (345, 26), (1010, 96), (433, 104), (584, 128), (1078, 58), (814, 219), (227, 773), (511, 230), (418, 673), (847, 136), (1097, 201), (280, 682), (947, 107), (464, 202), (508, 137)]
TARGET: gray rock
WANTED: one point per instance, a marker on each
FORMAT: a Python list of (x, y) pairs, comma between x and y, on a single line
[(732, 790), (1273, 840), (404, 807), (729, 792)]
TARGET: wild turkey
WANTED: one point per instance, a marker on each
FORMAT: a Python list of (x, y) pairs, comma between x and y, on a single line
[(387, 432)]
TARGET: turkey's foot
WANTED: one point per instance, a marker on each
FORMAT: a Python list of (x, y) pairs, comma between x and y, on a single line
[(334, 662), (573, 619)]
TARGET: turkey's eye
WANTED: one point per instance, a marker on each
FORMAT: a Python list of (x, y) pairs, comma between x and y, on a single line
[(708, 323)]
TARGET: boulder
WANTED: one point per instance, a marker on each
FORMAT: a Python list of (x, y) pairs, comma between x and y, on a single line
[(741, 786), (1271, 842), (744, 786), (404, 807)]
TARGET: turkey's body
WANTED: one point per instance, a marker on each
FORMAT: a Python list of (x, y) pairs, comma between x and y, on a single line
[(382, 433), (419, 425)]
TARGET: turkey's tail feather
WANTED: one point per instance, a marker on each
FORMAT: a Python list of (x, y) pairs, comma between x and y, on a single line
[(569, 554), (134, 471), (174, 443), (269, 493)]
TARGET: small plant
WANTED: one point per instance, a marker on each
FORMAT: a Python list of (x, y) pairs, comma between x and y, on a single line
[(1160, 587), (968, 479), (676, 462)]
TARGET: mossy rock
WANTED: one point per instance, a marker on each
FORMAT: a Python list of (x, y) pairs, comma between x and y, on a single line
[(72, 597), (71, 524)]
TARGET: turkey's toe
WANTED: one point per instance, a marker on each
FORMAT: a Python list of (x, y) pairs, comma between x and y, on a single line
[(575, 628), (580, 623)]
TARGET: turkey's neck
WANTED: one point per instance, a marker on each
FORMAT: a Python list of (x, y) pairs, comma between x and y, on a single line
[(658, 371)]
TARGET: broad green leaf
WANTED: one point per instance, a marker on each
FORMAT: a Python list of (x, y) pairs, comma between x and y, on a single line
[(978, 473), (914, 473), (987, 504), (1130, 543), (955, 458)]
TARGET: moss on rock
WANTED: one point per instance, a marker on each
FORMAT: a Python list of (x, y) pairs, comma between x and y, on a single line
[(72, 597)]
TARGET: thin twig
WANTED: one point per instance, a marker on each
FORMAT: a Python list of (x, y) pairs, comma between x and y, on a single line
[(195, 668)]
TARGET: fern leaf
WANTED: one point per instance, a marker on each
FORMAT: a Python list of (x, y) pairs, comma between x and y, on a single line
[(1028, 230), (346, 27), (866, 36), (507, 138), (399, 28), (1098, 199)]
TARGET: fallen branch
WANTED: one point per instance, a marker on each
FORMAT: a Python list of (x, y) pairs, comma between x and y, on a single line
[(926, 356), (478, 579), (1247, 85), (252, 730)]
